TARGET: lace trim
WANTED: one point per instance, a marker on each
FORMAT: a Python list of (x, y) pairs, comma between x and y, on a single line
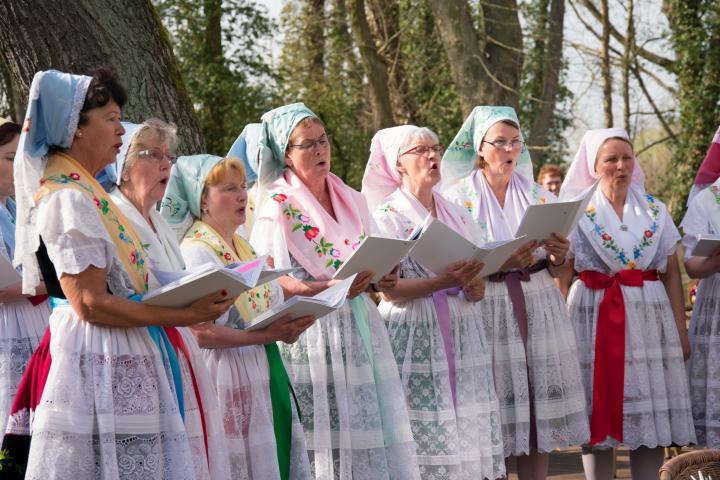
[(78, 102)]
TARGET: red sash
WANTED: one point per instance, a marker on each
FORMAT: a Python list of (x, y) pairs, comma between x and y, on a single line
[(609, 366)]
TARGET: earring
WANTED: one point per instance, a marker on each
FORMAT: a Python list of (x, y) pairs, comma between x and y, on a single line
[(78, 134)]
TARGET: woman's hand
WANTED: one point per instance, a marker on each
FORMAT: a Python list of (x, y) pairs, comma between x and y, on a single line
[(13, 293), (389, 281), (557, 247), (360, 284), (459, 274), (209, 307), (521, 258), (288, 330), (474, 290)]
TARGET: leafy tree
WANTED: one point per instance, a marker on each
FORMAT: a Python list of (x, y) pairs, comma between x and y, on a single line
[(695, 26), (224, 56)]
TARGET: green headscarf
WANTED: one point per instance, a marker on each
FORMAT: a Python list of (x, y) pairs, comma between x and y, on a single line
[(277, 126), (459, 159), (185, 187)]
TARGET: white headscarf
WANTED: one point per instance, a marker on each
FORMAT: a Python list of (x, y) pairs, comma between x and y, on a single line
[(381, 176), (582, 175)]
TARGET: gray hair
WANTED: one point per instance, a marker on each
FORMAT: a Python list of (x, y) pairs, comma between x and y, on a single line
[(150, 129), (418, 134)]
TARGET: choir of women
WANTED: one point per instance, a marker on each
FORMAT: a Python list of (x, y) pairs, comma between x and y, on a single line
[(418, 375)]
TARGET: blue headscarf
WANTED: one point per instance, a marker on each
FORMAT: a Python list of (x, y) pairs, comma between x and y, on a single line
[(246, 148), (185, 187), (277, 126), (56, 99), (460, 156)]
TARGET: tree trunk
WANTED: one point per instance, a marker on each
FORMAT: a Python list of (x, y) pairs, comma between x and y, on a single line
[(211, 108), (315, 34), (386, 27), (374, 67), (606, 73), (627, 62), (552, 66), (84, 34), (485, 68)]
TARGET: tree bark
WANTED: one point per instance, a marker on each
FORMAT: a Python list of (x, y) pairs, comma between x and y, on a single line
[(485, 67), (627, 62), (315, 34), (386, 27), (84, 34), (552, 66), (375, 68), (605, 65)]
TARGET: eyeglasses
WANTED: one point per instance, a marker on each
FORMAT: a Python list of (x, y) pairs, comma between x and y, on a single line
[(503, 145), (322, 142), (424, 150), (157, 155)]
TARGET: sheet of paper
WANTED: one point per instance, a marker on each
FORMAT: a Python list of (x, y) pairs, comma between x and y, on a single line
[(377, 254), (8, 274), (319, 305), (706, 246), (541, 221)]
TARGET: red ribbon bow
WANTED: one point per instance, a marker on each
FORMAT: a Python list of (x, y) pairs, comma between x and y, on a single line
[(609, 367)]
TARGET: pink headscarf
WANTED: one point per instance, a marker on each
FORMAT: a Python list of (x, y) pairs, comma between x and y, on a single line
[(709, 170), (381, 177), (382, 182), (581, 174)]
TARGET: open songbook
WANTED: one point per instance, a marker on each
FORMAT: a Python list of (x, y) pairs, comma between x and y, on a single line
[(706, 246), (437, 246), (180, 289), (8, 274), (376, 254), (298, 306), (540, 221)]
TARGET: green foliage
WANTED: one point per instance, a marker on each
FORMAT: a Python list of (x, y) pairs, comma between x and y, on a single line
[(695, 26), (224, 57), (430, 88), (325, 73)]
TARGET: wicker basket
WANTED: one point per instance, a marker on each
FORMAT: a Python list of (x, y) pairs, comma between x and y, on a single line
[(688, 464)]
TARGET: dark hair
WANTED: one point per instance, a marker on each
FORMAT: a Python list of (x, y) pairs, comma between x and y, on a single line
[(8, 131), (104, 87)]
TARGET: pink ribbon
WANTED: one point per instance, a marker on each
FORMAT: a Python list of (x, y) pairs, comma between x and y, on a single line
[(442, 310)]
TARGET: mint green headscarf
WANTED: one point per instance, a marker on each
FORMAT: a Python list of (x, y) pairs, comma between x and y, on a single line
[(185, 187), (459, 159), (277, 126)]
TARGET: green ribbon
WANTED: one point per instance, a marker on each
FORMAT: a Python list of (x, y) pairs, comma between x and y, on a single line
[(280, 388), (359, 311)]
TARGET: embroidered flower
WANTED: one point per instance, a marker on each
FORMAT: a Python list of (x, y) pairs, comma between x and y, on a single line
[(227, 256), (347, 242), (198, 235), (542, 201), (648, 233), (133, 257), (311, 233), (631, 264), (28, 122), (468, 205), (279, 197), (75, 176), (606, 237), (590, 209), (97, 201)]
